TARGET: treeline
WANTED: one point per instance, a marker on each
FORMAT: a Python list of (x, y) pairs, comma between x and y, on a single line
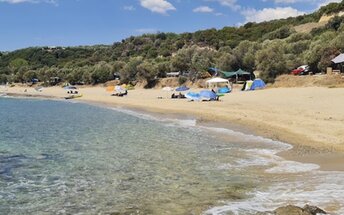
[(272, 47)]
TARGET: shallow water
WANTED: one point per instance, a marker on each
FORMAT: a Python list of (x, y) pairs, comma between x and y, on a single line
[(70, 158)]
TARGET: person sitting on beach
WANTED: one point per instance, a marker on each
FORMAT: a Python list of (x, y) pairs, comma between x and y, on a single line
[(181, 96)]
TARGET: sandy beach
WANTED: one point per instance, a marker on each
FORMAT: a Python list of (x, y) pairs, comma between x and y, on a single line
[(311, 119)]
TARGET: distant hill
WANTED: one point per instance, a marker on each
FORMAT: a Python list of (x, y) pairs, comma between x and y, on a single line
[(273, 47)]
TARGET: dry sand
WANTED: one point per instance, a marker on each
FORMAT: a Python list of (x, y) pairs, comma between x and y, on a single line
[(312, 118)]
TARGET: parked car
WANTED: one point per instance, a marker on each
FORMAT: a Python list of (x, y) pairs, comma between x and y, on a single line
[(301, 70)]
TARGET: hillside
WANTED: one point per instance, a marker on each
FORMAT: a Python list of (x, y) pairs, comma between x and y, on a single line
[(332, 81), (287, 43), (323, 21)]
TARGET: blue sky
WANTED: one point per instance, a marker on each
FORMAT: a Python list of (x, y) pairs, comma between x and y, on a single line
[(26, 23)]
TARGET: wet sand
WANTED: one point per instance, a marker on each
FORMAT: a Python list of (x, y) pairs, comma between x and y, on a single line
[(311, 119)]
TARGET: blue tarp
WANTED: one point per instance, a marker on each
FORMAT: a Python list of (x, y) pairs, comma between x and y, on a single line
[(257, 84)]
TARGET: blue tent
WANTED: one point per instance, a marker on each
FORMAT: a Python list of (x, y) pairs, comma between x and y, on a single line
[(208, 95), (193, 96), (182, 88), (257, 84), (224, 90)]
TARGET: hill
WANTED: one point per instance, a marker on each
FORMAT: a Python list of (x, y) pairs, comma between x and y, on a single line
[(308, 27), (274, 47)]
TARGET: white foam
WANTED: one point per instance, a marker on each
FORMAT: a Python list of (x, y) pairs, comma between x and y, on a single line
[(322, 192), (292, 167), (169, 121), (323, 189), (249, 138)]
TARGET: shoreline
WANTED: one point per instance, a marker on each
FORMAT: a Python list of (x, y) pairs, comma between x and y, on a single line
[(328, 156)]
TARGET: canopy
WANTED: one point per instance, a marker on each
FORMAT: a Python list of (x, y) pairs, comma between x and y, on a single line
[(239, 72), (338, 59), (228, 74), (217, 80)]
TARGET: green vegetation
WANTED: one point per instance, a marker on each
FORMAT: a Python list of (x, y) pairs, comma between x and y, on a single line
[(272, 47)]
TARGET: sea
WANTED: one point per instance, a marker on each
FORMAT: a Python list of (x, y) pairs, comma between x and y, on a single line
[(62, 157)]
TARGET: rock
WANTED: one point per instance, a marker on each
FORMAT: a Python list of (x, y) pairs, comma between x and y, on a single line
[(291, 210), (314, 210), (294, 210)]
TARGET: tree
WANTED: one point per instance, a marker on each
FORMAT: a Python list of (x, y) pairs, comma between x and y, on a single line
[(17, 63), (29, 75), (129, 71), (270, 60), (146, 71), (3, 79), (226, 62), (102, 72)]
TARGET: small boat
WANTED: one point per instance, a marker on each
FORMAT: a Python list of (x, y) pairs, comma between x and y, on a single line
[(73, 96)]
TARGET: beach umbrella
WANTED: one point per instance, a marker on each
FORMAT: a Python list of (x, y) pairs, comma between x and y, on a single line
[(208, 95), (110, 88), (182, 88), (119, 88)]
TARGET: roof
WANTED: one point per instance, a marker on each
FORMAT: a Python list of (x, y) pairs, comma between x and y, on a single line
[(217, 80), (338, 59)]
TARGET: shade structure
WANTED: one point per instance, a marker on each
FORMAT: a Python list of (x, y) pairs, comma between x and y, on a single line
[(338, 59), (242, 72), (239, 72), (216, 81), (182, 88), (208, 95)]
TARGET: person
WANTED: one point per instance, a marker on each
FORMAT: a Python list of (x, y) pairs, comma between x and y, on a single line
[(212, 90)]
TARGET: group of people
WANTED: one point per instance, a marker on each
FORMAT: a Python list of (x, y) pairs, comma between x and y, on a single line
[(178, 96)]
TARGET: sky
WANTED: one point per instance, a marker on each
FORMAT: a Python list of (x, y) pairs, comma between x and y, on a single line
[(28, 23)]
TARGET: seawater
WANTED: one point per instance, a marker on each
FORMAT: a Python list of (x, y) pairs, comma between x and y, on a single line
[(70, 158)]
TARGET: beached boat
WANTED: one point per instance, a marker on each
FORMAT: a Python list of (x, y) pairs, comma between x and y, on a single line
[(73, 96)]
